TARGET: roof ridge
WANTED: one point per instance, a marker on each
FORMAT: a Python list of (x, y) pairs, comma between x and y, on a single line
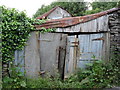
[(43, 16)]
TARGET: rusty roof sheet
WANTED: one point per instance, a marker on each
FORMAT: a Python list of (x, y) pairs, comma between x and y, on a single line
[(70, 21)]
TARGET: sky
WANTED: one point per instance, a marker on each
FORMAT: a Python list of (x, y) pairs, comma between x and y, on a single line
[(29, 6)]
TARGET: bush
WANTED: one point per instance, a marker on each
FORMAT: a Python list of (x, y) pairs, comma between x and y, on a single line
[(17, 79), (16, 28), (99, 75), (96, 75)]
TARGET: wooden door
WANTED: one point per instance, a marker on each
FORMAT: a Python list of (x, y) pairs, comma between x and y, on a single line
[(52, 52), (71, 55), (91, 48)]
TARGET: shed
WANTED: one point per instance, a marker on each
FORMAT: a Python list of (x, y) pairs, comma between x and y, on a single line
[(55, 13), (76, 42)]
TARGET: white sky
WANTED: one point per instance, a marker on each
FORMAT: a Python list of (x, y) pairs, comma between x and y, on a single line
[(30, 6)]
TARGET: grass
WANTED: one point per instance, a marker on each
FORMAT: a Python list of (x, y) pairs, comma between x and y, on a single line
[(96, 75)]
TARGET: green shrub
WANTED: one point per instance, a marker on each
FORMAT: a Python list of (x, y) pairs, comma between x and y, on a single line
[(96, 75), (16, 28), (101, 75), (17, 79)]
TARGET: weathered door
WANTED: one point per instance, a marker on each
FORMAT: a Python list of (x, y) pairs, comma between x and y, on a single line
[(52, 52), (91, 48), (71, 55)]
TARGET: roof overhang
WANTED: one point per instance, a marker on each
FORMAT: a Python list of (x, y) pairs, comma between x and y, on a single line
[(70, 21)]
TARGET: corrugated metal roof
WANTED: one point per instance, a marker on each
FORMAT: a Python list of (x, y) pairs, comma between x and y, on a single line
[(70, 21)]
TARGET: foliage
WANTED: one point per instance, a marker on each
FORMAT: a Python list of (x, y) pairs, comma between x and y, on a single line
[(17, 79), (100, 6), (51, 83), (77, 8), (92, 11), (96, 75), (74, 8), (103, 5), (115, 61), (118, 4), (16, 28)]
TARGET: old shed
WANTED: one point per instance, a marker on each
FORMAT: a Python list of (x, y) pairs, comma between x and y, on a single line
[(55, 13), (76, 42)]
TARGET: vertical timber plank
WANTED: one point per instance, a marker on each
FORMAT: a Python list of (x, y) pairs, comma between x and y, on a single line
[(106, 46), (62, 55), (71, 56)]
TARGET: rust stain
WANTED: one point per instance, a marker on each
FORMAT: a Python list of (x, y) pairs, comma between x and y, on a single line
[(70, 21), (75, 43), (98, 39)]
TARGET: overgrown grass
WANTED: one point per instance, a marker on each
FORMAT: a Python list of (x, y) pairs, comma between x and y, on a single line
[(51, 83), (96, 75)]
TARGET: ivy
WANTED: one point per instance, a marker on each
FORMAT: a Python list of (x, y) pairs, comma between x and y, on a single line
[(16, 28), (38, 21), (43, 30)]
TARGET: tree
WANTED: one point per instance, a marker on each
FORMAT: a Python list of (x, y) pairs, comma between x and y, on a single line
[(100, 6), (78, 8), (74, 8), (103, 5)]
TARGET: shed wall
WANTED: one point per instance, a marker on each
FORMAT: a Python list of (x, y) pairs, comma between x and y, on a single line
[(56, 52), (58, 13), (70, 53), (97, 25)]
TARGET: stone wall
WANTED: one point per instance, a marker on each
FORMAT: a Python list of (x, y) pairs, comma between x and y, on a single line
[(114, 26)]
